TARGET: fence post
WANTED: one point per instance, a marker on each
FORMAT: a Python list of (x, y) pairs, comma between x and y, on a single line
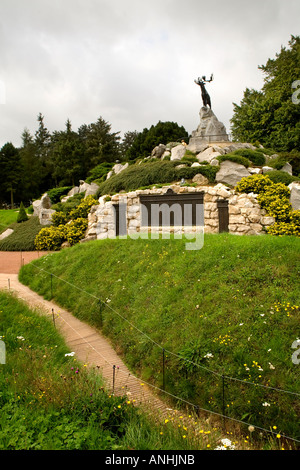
[(53, 317), (223, 399), (51, 286), (114, 374), (100, 311), (164, 378)]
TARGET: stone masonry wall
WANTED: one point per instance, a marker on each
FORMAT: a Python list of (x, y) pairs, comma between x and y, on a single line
[(245, 215)]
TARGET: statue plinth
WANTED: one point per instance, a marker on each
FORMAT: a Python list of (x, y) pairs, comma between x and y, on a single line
[(209, 130)]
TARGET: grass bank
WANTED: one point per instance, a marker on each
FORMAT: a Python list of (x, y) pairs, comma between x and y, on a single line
[(7, 217), (50, 401), (226, 315)]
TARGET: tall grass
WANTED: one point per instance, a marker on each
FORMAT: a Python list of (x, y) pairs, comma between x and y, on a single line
[(229, 310)]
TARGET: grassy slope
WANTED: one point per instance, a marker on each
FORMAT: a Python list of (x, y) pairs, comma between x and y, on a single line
[(7, 217), (50, 401), (235, 299)]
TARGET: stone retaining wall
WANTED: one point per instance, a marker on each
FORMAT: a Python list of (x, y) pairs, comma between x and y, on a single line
[(245, 214)]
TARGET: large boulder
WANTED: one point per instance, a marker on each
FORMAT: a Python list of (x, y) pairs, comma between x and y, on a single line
[(116, 169), (208, 155), (178, 152), (6, 233), (231, 173), (294, 187), (158, 151), (287, 168), (88, 189)]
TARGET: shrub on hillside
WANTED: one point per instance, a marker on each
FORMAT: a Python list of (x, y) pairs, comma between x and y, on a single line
[(255, 156), (59, 218), (274, 198), (253, 184), (55, 194), (75, 230), (278, 176), (82, 210), (50, 238), (287, 228), (234, 158), (70, 204)]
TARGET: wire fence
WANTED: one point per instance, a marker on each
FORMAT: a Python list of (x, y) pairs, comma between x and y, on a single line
[(224, 379)]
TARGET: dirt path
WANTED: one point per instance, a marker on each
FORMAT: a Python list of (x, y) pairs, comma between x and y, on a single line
[(89, 346), (11, 261)]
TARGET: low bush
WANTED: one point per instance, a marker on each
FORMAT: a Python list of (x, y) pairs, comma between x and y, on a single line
[(50, 238), (55, 194), (255, 156), (70, 204), (278, 176), (99, 173), (234, 158)]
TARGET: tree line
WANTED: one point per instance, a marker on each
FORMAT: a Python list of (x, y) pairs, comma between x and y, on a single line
[(63, 158)]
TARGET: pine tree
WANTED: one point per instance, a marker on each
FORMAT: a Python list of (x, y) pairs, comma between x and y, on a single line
[(22, 216)]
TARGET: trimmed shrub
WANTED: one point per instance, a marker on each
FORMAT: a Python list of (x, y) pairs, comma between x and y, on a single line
[(55, 194), (70, 204), (274, 198), (256, 157), (287, 228), (22, 216), (278, 176), (234, 158)]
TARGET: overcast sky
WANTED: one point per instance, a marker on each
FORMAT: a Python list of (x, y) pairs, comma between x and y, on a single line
[(132, 62)]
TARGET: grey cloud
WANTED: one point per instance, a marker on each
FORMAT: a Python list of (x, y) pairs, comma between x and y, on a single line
[(130, 61)]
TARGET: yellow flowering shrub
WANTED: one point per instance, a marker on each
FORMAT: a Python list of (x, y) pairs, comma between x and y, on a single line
[(50, 238), (66, 227), (75, 230), (254, 184), (82, 210), (292, 227), (59, 218), (274, 198)]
